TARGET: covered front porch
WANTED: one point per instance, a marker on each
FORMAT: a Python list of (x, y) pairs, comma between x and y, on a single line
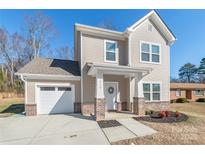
[(117, 88)]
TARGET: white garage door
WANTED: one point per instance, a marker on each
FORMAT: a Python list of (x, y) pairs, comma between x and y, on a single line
[(55, 99)]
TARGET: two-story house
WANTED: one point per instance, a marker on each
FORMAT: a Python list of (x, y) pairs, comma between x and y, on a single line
[(111, 70)]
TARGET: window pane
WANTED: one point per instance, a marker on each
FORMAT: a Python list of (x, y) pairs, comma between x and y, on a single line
[(146, 87), (155, 58), (156, 96), (147, 96), (199, 92), (64, 88), (110, 46), (145, 47), (155, 49), (145, 57), (47, 88), (178, 92), (110, 56), (155, 87)]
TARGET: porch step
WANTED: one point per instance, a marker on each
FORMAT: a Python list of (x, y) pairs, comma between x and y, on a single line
[(136, 127)]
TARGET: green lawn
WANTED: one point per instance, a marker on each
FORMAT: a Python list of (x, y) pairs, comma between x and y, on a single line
[(11, 106)]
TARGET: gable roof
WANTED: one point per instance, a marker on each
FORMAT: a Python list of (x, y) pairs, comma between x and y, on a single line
[(187, 86), (43, 66), (154, 17)]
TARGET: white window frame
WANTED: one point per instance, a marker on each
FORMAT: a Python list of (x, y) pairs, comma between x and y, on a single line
[(151, 90), (200, 90), (116, 51), (178, 94), (150, 52)]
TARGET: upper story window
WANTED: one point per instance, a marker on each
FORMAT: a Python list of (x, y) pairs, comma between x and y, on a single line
[(150, 52), (199, 92), (110, 51), (152, 91)]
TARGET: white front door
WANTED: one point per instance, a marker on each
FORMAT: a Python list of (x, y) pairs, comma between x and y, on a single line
[(110, 91)]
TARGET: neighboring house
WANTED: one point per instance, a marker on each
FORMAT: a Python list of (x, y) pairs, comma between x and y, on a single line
[(191, 91), (112, 70)]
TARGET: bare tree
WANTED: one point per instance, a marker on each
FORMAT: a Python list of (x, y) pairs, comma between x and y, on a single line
[(62, 53), (6, 52), (40, 30)]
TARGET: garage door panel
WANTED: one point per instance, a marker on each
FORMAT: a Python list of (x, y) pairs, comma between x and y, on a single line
[(61, 100)]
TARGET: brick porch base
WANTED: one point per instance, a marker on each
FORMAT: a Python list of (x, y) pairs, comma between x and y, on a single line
[(30, 109)]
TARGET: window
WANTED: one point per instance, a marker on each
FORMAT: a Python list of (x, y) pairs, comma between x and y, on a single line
[(64, 88), (199, 92), (151, 91), (178, 92), (146, 89), (47, 88), (150, 52), (110, 51)]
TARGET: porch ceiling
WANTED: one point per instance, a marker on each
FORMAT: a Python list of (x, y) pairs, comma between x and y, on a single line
[(127, 71)]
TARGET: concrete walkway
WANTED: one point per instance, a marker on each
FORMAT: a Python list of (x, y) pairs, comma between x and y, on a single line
[(51, 129), (136, 127), (130, 129)]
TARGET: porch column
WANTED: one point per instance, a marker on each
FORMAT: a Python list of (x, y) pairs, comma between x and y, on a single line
[(99, 97), (138, 99)]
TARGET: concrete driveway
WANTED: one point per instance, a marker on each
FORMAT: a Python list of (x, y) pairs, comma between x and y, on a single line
[(51, 129)]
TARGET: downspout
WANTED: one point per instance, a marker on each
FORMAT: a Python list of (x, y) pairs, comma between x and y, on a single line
[(25, 88)]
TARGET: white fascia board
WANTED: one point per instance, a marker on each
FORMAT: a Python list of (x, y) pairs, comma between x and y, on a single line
[(120, 69), (99, 31), (48, 76), (161, 25)]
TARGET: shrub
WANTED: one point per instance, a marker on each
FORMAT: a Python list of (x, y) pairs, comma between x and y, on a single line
[(177, 114), (161, 114), (182, 100), (200, 100), (167, 113), (173, 101), (147, 112), (152, 112)]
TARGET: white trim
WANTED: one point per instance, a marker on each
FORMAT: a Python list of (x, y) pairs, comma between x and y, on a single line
[(150, 53), (48, 76), (116, 69), (99, 31), (151, 92), (40, 84), (129, 50), (81, 64), (117, 86), (25, 88), (99, 86), (116, 52), (152, 15)]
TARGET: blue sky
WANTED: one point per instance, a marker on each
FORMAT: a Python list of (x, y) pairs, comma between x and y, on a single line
[(187, 25)]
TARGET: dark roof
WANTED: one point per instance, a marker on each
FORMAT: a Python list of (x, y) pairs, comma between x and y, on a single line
[(51, 67)]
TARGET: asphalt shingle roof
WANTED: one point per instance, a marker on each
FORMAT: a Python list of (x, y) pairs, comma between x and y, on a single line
[(51, 67)]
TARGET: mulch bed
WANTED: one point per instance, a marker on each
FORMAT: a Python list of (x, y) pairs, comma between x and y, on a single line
[(108, 123), (170, 119)]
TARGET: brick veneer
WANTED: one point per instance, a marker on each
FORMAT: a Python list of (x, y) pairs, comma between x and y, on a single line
[(100, 109), (140, 106), (30, 109), (88, 108), (119, 106)]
